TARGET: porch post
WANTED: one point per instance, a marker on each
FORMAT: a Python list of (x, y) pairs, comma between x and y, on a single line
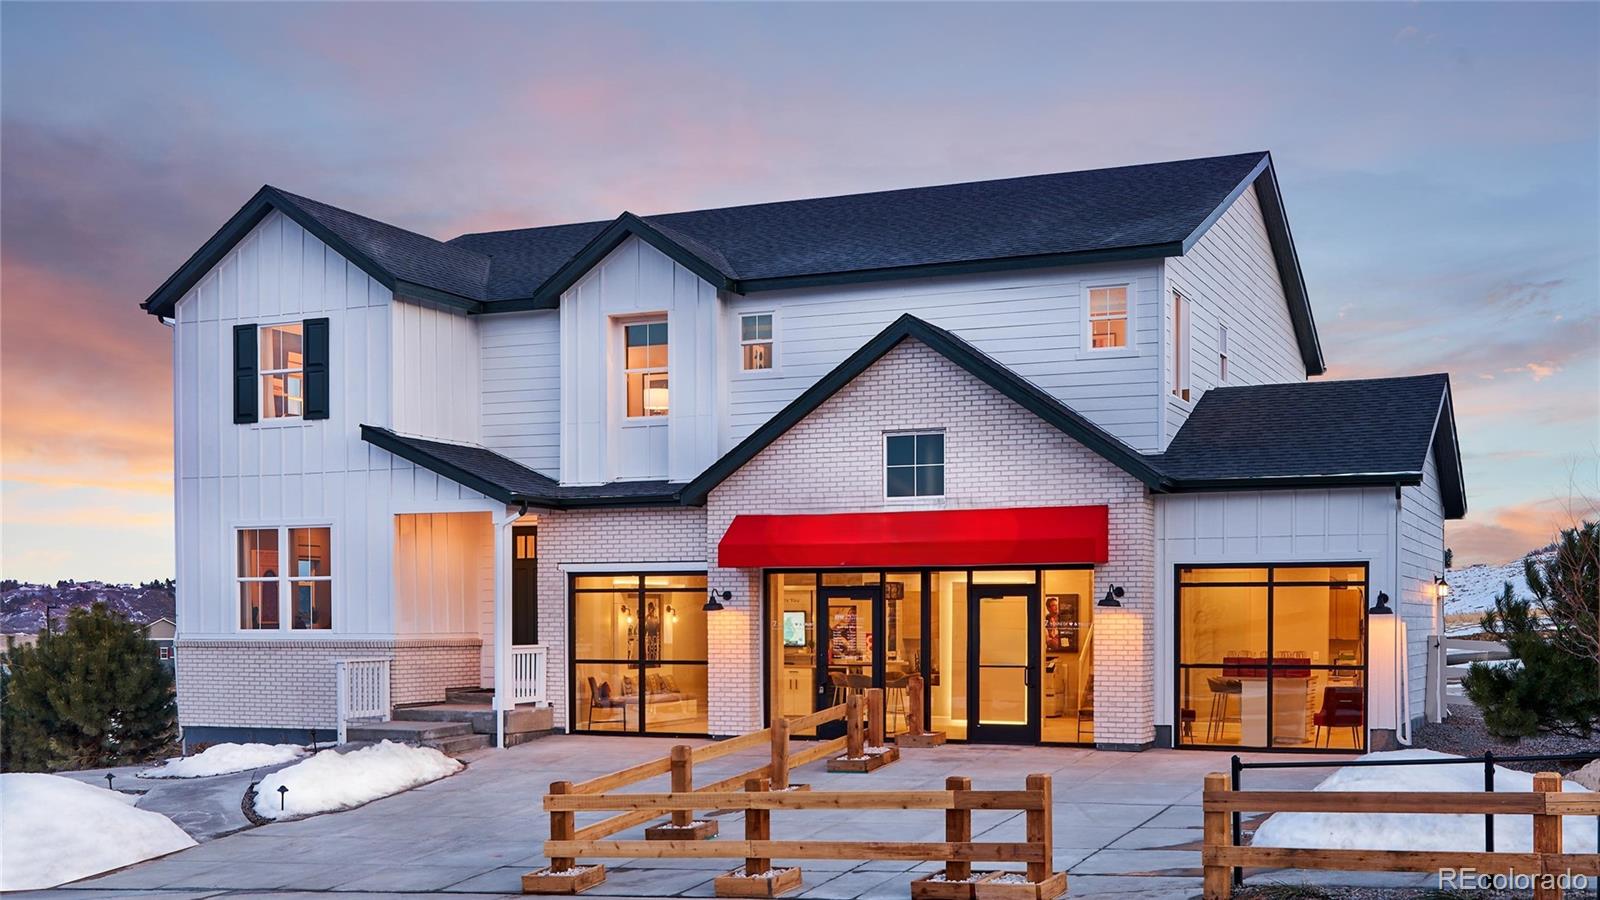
[(502, 623)]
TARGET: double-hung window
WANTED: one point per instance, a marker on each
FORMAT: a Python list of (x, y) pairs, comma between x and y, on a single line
[(1108, 317), (914, 464), (282, 371), (755, 342), (645, 368), (285, 577), (1181, 328), (1222, 355)]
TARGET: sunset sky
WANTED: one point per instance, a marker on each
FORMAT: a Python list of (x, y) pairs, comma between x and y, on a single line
[(1440, 165)]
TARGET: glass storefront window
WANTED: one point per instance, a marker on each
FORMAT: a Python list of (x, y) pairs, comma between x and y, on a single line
[(639, 653), (948, 613), (1272, 657), (1068, 633)]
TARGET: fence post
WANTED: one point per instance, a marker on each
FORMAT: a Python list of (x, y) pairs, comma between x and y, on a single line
[(1546, 837), (682, 782), (1488, 786), (1236, 820), (780, 754), (1038, 822), (957, 830), (561, 828), (342, 698), (757, 827), (875, 732), (852, 726), (1218, 879)]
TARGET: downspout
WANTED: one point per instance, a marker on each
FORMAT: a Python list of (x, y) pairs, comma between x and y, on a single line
[(1402, 673), (502, 618)]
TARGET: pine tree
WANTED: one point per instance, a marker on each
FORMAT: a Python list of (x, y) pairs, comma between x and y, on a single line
[(94, 695), (1545, 688)]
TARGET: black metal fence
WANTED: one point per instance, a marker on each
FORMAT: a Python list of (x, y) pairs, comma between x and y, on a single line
[(1488, 761)]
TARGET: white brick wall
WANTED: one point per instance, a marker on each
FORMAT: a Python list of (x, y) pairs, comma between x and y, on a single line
[(626, 538), (291, 684), (996, 454)]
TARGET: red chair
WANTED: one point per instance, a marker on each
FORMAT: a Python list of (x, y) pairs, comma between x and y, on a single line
[(1341, 708)]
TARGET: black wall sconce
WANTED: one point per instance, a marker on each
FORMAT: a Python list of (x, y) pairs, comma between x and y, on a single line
[(1112, 598), (1381, 608), (714, 604)]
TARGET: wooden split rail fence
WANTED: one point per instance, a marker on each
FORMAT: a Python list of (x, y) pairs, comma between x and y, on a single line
[(759, 791), (1545, 803)]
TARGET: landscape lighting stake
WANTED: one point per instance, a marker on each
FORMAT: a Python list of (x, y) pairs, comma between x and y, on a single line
[(283, 790), (109, 777)]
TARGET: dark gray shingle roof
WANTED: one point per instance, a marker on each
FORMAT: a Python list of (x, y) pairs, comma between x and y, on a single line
[(509, 481)]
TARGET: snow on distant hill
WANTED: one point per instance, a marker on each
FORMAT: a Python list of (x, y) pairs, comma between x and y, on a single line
[(1474, 589)]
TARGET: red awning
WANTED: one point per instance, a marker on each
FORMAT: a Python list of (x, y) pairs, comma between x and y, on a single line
[(947, 537)]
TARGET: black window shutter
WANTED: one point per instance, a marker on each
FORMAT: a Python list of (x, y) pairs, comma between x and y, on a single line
[(316, 363), (244, 374)]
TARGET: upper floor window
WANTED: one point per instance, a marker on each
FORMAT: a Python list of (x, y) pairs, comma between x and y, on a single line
[(1181, 327), (755, 342), (281, 567), (914, 464), (645, 368), (282, 371), (1108, 317)]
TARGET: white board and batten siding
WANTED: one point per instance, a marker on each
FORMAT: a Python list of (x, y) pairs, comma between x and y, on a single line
[(436, 373), (296, 472), (1030, 321), (520, 359), (1231, 280), (598, 443)]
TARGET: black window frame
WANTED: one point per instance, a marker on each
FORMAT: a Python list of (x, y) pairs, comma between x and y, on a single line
[(1179, 666), (639, 663), (916, 466)]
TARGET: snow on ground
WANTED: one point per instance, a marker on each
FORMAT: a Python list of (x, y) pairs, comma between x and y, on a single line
[(1415, 831), (332, 780), (222, 759), (56, 830)]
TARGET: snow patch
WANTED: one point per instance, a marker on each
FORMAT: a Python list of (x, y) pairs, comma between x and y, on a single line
[(1418, 831), (332, 780), (224, 759), (57, 829)]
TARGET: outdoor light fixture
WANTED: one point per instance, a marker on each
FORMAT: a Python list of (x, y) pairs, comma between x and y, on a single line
[(1441, 588), (1110, 600), (713, 604), (1381, 608), (672, 613)]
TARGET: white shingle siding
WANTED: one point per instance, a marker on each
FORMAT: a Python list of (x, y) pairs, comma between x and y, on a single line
[(996, 455)]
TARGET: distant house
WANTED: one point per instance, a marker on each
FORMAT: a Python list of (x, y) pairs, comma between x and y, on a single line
[(1055, 444), (163, 632)]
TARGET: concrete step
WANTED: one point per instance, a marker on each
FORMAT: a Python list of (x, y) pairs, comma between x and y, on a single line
[(471, 696), (521, 720), (407, 732), (456, 746)]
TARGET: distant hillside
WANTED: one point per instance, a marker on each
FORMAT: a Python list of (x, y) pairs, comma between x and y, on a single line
[(22, 606), (1474, 589)]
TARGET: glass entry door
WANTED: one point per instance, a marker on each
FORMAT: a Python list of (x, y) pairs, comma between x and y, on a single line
[(850, 658), (1004, 624)]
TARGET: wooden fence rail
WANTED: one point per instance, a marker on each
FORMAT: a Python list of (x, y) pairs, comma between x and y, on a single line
[(767, 788), (1546, 804)]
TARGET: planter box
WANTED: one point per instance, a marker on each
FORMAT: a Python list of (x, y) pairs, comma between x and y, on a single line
[(1004, 886), (571, 881), (869, 763), (933, 887), (698, 830), (925, 739), (770, 883)]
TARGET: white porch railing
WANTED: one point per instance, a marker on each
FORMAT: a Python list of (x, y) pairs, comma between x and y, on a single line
[(363, 686), (527, 673)]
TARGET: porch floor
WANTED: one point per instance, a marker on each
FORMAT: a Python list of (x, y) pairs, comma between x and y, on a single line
[(1126, 825)]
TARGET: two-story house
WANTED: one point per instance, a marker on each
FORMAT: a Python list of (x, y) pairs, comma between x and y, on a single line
[(1047, 442)]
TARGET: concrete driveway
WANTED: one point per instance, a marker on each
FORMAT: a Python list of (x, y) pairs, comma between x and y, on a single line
[(1126, 825)]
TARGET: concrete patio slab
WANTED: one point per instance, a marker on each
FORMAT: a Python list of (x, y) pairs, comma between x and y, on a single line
[(1125, 826)]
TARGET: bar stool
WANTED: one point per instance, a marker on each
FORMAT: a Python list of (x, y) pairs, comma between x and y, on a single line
[(840, 689), (894, 691), (1222, 690)]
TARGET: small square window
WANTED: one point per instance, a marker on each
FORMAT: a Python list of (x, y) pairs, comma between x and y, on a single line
[(914, 464), (755, 342)]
